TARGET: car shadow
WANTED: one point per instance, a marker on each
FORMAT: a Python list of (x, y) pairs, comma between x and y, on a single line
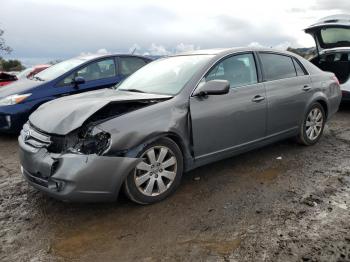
[(344, 106)]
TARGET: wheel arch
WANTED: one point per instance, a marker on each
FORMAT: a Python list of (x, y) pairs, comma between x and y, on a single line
[(175, 137), (324, 105), (322, 100)]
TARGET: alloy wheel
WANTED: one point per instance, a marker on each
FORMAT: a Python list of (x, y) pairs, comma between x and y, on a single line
[(157, 171), (314, 124)]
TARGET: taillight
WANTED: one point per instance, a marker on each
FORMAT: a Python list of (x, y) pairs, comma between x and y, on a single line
[(336, 80)]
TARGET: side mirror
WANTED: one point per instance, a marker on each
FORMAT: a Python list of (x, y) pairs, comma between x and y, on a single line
[(78, 81), (213, 87)]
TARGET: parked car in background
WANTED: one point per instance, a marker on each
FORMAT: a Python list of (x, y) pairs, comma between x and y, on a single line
[(171, 116), (6, 78), (31, 71), (9, 77), (332, 37), (72, 76)]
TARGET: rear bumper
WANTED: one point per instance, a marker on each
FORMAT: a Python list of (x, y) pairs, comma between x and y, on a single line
[(73, 177)]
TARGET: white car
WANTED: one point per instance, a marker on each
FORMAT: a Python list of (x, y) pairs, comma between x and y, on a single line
[(332, 37)]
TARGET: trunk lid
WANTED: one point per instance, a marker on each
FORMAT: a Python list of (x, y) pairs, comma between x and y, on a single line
[(331, 32)]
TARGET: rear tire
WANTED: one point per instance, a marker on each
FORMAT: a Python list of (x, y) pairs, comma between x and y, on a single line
[(313, 124), (158, 175)]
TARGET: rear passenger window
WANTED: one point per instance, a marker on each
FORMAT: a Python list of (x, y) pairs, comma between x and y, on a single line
[(300, 71), (239, 70), (277, 66), (128, 65)]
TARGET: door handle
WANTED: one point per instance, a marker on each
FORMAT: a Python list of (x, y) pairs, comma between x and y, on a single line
[(258, 98), (306, 88)]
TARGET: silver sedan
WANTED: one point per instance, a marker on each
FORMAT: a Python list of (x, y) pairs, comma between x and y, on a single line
[(171, 116)]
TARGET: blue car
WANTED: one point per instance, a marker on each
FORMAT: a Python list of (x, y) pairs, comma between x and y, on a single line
[(76, 75)]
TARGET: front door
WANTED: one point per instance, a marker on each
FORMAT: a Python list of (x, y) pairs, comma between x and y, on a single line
[(221, 123), (98, 74)]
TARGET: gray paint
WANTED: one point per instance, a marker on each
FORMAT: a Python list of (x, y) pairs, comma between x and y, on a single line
[(207, 129), (71, 112)]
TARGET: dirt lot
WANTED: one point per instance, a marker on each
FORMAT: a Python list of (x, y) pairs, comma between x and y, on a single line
[(284, 202)]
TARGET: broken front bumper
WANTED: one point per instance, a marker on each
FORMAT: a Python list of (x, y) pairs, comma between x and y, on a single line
[(74, 177)]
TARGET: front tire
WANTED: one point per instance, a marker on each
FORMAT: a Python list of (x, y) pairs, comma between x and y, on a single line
[(313, 124), (158, 175)]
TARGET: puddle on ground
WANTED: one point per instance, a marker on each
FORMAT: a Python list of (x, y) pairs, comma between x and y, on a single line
[(220, 247), (270, 174), (267, 175), (76, 243)]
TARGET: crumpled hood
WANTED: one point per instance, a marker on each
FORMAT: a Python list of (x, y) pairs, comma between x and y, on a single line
[(63, 115)]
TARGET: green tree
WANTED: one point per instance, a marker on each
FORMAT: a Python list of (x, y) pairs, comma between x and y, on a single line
[(12, 65)]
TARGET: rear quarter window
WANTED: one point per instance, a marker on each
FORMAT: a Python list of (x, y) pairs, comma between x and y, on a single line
[(298, 68), (277, 66)]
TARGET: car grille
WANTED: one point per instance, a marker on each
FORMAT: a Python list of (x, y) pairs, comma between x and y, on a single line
[(34, 138)]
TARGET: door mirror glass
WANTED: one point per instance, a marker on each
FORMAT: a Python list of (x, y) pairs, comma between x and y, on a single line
[(213, 87)]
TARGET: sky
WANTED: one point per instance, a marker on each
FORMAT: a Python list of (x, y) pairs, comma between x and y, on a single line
[(43, 30)]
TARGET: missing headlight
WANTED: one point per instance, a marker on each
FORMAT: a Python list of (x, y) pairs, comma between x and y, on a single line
[(92, 142)]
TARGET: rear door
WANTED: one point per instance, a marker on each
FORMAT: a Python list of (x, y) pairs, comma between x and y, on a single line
[(221, 123), (130, 64), (288, 89)]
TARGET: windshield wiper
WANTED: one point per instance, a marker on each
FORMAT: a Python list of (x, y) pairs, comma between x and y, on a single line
[(133, 90), (38, 78)]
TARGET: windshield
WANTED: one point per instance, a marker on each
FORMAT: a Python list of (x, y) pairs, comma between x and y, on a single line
[(335, 35), (165, 76), (58, 69)]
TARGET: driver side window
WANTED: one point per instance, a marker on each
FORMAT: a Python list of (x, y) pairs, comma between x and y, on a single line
[(93, 71), (239, 70)]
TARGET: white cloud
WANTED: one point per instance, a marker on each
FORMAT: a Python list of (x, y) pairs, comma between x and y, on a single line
[(279, 46), (255, 44), (156, 27), (101, 51), (283, 45), (158, 50), (185, 47)]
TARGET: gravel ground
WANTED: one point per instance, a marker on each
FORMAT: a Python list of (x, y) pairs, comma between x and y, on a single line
[(284, 202)]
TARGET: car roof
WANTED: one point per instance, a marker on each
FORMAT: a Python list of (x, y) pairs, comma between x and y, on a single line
[(224, 51), (94, 56)]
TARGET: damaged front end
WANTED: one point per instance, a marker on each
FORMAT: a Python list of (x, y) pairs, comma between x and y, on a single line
[(86, 141), (72, 168), (77, 163), (89, 138)]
